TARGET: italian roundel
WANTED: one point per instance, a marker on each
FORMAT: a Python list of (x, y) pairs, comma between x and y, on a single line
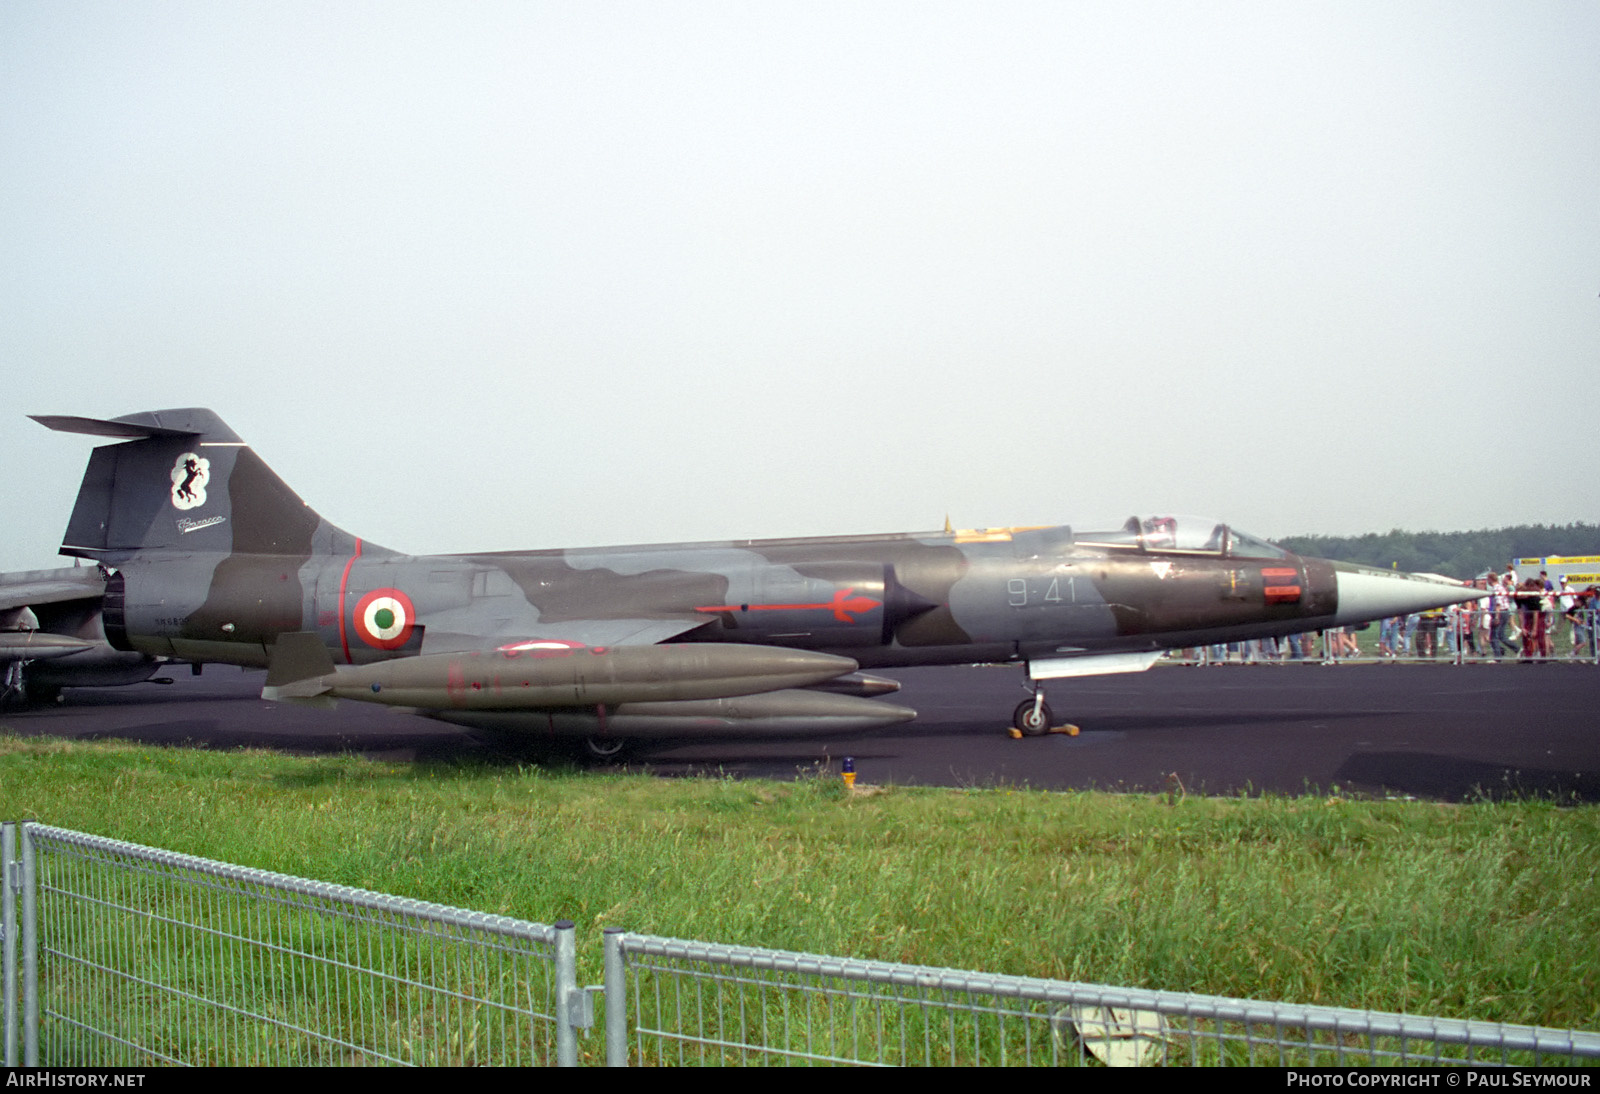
[(384, 618)]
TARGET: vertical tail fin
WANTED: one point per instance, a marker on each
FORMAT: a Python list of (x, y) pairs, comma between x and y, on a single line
[(184, 481)]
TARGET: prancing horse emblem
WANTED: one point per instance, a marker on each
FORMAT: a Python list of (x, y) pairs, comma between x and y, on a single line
[(189, 477)]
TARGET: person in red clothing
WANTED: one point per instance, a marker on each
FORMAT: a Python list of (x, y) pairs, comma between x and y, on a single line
[(1535, 637)]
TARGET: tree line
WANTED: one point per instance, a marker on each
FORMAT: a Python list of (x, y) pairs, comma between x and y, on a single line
[(1454, 554)]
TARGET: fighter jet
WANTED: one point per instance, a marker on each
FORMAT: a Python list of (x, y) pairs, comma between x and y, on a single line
[(211, 557), (51, 638)]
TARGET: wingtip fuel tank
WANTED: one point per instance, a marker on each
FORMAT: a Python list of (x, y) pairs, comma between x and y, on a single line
[(551, 676)]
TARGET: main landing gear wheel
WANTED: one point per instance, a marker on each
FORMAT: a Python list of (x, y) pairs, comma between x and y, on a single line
[(44, 695), (1032, 718), (605, 748)]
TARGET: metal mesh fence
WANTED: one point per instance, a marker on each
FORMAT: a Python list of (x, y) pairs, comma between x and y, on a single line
[(148, 957), (677, 1002), (132, 956)]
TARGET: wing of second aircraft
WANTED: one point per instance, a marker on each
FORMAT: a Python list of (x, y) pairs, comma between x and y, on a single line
[(30, 587)]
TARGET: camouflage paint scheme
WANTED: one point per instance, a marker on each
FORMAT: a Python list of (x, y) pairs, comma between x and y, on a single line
[(213, 558)]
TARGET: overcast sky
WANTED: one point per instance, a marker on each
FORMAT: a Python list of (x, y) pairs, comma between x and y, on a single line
[(485, 276)]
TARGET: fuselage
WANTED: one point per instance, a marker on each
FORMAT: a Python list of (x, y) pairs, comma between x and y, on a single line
[(890, 600)]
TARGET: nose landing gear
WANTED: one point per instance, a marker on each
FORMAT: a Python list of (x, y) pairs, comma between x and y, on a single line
[(1033, 717)]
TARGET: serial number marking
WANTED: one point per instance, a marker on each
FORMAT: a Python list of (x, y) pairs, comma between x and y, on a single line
[(1021, 592)]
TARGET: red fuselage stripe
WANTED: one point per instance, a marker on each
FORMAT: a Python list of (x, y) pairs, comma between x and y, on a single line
[(841, 605), (344, 581)]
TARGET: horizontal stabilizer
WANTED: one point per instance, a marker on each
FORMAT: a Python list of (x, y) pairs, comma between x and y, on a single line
[(97, 427), (185, 422)]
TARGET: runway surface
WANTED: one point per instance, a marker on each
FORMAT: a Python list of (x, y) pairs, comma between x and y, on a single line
[(1427, 731)]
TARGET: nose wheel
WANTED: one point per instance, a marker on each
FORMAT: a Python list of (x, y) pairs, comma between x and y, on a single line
[(1033, 716)]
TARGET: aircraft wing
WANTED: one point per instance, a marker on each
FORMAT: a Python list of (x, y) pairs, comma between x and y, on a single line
[(30, 587), (593, 633)]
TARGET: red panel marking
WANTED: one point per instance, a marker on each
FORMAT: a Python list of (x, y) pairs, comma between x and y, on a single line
[(540, 647), (1284, 592), (344, 581)]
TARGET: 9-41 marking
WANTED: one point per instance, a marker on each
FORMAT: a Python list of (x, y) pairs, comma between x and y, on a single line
[(1022, 593)]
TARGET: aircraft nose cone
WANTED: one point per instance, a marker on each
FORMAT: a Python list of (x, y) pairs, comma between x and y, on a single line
[(1373, 594)]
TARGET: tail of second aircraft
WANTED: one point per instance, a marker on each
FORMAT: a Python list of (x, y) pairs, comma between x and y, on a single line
[(184, 481)]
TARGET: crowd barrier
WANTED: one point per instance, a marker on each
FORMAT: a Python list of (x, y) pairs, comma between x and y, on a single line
[(134, 956), (131, 956), (1467, 638)]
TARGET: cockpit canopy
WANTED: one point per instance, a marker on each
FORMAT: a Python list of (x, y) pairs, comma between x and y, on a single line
[(1190, 535)]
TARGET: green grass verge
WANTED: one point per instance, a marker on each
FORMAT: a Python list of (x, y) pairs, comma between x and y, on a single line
[(1487, 911)]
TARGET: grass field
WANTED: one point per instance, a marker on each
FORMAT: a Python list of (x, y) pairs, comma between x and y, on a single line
[(1487, 911)]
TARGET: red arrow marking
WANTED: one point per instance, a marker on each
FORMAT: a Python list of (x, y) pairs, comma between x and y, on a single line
[(841, 605)]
